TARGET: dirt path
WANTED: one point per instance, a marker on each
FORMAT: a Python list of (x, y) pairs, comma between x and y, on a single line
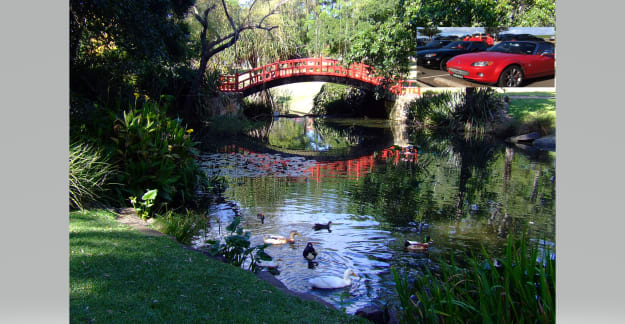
[(129, 217)]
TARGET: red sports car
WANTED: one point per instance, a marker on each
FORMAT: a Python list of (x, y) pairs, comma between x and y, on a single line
[(506, 64)]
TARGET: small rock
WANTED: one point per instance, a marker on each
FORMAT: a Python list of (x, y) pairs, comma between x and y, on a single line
[(547, 143), (524, 138)]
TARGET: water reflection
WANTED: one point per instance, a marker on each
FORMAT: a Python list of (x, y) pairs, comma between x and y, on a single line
[(469, 193), (308, 135)]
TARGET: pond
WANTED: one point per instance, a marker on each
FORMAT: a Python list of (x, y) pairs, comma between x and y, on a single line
[(462, 193)]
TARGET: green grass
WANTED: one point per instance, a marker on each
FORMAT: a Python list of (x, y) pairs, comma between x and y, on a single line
[(534, 114), (119, 275), (532, 94)]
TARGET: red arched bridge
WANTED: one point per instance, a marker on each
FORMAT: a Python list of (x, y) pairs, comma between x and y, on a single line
[(310, 69)]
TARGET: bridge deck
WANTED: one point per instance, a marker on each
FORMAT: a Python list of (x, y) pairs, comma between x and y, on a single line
[(298, 69)]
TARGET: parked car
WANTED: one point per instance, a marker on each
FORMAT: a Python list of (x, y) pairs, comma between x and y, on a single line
[(518, 37), (507, 64), (439, 57), (433, 45)]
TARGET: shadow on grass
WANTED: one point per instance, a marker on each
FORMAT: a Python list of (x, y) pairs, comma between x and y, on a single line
[(118, 275)]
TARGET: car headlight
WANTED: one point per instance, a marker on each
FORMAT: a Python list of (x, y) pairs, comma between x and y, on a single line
[(430, 55), (482, 63)]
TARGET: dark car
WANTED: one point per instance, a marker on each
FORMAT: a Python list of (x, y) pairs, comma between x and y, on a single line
[(518, 37), (446, 37), (433, 45), (439, 57)]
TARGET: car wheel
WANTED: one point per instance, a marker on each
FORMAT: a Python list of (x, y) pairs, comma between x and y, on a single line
[(511, 76), (444, 64)]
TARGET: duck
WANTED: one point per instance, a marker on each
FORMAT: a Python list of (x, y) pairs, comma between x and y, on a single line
[(418, 246), (261, 216), (309, 252), (333, 282), (278, 239), (318, 226)]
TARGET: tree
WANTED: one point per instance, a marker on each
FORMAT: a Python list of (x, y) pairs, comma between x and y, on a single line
[(465, 13), (429, 31), (212, 41), (384, 36), (119, 47), (494, 30)]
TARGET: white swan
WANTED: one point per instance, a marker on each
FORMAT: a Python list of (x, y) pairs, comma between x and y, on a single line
[(332, 282)]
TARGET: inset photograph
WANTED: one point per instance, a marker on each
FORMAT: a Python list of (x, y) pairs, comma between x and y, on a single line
[(486, 56)]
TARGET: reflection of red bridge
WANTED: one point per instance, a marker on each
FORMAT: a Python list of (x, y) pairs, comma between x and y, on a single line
[(355, 168), (351, 169), (310, 69)]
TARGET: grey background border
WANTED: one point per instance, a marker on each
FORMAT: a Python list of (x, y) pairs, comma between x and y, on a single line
[(589, 184), (34, 238), (34, 274)]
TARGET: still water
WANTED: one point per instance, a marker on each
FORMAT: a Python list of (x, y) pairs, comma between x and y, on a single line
[(463, 193)]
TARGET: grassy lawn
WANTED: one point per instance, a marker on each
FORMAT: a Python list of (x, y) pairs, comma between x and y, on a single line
[(533, 94), (539, 113), (119, 275)]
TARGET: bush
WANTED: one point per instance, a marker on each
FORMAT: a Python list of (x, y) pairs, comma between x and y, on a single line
[(155, 151), (433, 109), (478, 109), (337, 99), (90, 174), (475, 110), (236, 247), (181, 226), (519, 288)]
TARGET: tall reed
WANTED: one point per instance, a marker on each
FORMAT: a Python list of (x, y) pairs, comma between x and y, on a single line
[(517, 288), (89, 174)]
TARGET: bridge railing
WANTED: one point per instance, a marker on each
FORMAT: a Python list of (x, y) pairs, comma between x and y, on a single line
[(307, 66)]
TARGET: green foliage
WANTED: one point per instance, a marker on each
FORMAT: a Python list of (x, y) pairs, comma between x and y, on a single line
[(117, 48), (155, 151), (517, 288), (144, 207), (337, 99), (253, 109), (429, 31), (182, 226), (478, 110), (457, 13), (384, 37), (236, 247), (90, 173), (475, 110), (433, 109)]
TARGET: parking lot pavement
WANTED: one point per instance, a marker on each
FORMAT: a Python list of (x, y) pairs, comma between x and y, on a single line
[(438, 78)]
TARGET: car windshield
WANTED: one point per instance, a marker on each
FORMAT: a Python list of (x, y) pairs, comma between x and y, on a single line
[(458, 45), (434, 43), (514, 48)]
